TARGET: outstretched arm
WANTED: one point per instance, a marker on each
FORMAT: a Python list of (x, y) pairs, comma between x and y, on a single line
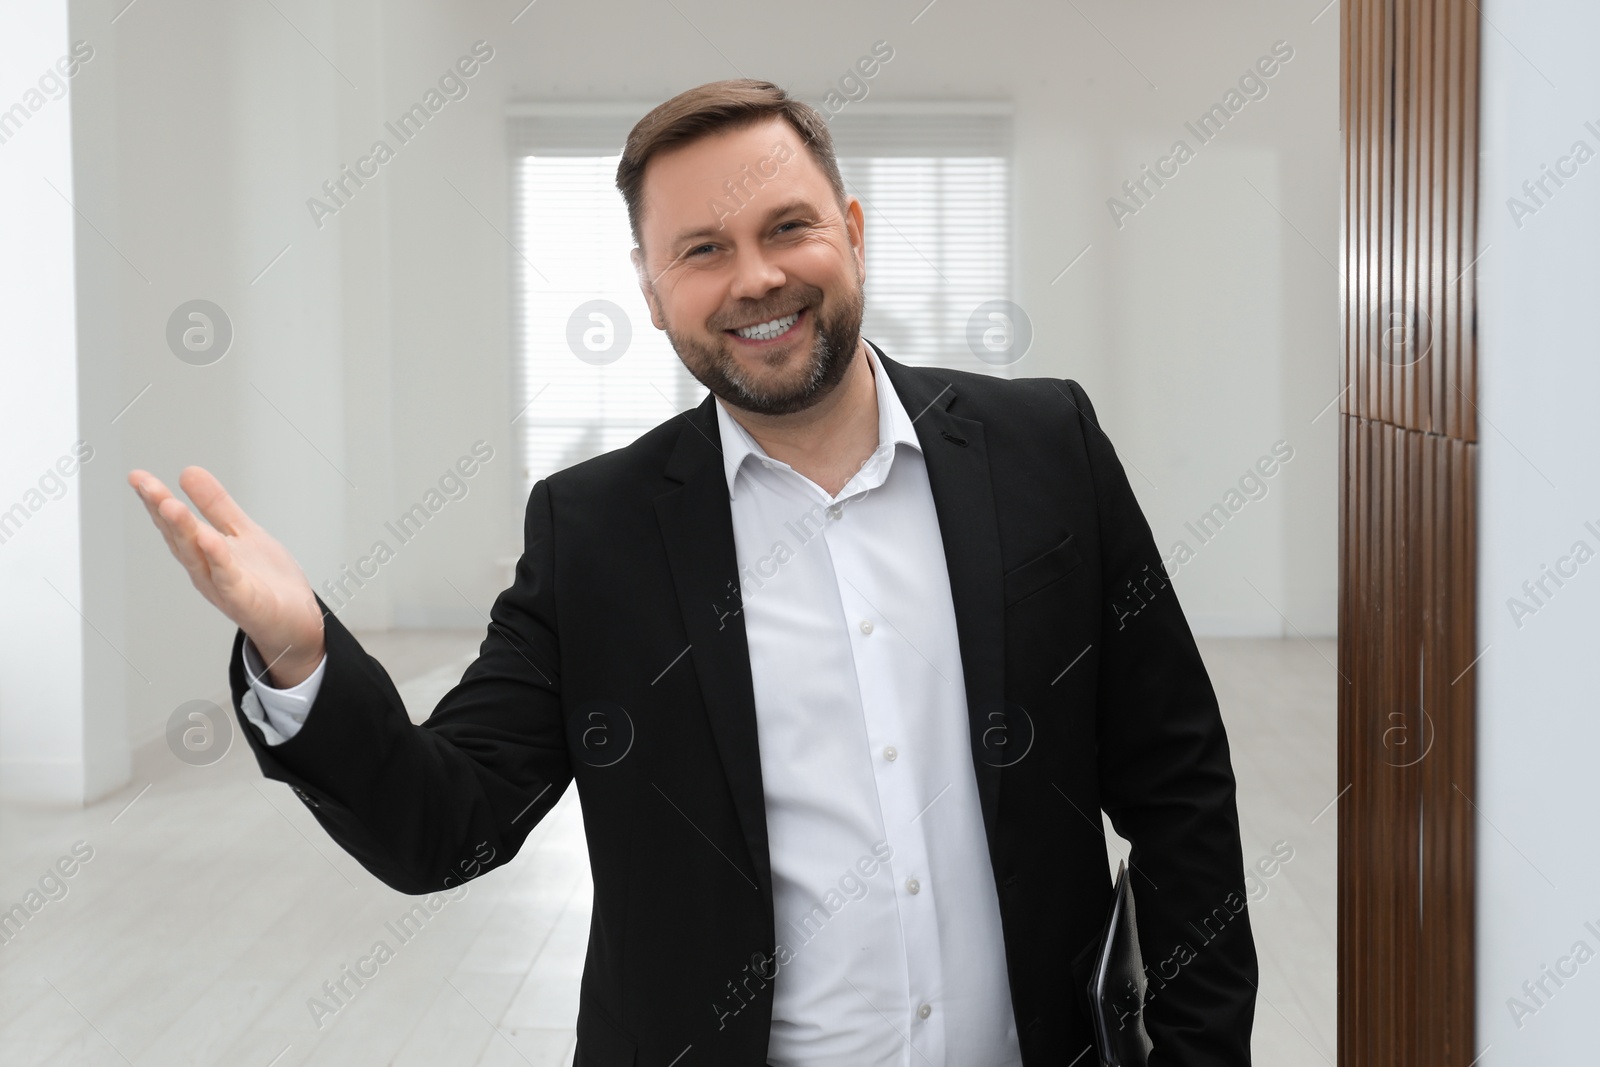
[(424, 807)]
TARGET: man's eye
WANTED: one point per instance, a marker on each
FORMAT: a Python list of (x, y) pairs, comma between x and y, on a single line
[(792, 222)]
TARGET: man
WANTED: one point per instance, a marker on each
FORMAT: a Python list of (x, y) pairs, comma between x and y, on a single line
[(845, 662)]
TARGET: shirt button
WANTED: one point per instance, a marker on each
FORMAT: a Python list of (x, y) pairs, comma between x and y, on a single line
[(912, 885), (889, 753), (834, 510), (925, 1011), (866, 626)]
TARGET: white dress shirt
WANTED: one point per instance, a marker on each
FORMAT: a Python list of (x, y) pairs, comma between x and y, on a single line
[(865, 753)]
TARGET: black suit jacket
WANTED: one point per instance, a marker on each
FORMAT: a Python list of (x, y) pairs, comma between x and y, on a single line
[(618, 658)]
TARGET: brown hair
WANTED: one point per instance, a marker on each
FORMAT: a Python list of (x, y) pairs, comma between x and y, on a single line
[(717, 107)]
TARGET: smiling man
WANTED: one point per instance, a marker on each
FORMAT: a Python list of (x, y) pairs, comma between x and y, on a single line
[(835, 659)]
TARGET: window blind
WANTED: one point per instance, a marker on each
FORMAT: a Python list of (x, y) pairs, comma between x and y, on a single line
[(934, 181)]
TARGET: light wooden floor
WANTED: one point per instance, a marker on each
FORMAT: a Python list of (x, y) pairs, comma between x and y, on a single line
[(215, 907)]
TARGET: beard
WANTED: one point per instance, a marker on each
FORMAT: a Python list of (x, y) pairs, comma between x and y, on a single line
[(837, 326)]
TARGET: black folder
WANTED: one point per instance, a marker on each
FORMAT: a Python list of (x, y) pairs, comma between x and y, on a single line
[(1117, 987)]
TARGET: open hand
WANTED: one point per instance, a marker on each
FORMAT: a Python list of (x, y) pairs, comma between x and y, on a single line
[(241, 569)]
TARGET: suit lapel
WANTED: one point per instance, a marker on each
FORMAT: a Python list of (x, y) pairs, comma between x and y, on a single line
[(696, 521), (957, 459)]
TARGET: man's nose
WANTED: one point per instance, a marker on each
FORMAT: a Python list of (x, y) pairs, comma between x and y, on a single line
[(754, 274)]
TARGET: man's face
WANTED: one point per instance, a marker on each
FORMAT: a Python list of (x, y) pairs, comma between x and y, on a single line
[(777, 254)]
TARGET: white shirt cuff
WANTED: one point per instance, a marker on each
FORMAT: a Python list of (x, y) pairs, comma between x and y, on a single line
[(278, 712)]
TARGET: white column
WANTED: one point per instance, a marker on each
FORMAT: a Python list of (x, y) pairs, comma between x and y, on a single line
[(54, 747)]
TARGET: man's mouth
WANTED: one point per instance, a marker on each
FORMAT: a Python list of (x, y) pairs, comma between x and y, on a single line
[(772, 330)]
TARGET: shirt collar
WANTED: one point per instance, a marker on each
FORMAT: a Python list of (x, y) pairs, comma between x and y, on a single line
[(894, 427)]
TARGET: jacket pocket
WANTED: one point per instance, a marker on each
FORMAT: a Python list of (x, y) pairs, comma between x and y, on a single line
[(1053, 565)]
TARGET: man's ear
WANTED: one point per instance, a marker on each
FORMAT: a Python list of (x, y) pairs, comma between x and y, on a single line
[(648, 289), (855, 228)]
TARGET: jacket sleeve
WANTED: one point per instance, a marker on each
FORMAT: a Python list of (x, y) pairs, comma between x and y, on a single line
[(1167, 785), (426, 807)]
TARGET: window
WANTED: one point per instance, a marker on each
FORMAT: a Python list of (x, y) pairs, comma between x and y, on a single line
[(934, 185)]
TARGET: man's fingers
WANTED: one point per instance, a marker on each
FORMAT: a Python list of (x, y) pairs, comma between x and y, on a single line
[(185, 530), (151, 499), (151, 491), (213, 500), (204, 553)]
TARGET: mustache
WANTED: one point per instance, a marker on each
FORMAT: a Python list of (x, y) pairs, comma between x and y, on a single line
[(763, 313)]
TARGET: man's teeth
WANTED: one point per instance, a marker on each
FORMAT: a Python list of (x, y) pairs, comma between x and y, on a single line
[(768, 330)]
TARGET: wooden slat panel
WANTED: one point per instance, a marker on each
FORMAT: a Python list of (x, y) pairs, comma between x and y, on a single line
[(1408, 108), (1467, 205), (1409, 112)]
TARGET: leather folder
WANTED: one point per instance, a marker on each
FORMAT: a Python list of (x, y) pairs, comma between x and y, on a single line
[(1117, 986)]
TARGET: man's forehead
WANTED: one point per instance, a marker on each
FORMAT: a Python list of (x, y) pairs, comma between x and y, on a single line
[(698, 160), (761, 162)]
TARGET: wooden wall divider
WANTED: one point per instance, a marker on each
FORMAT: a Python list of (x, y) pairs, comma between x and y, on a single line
[(1407, 582)]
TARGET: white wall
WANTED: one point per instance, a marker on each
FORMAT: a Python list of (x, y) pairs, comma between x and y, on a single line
[(1538, 735), (375, 350)]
